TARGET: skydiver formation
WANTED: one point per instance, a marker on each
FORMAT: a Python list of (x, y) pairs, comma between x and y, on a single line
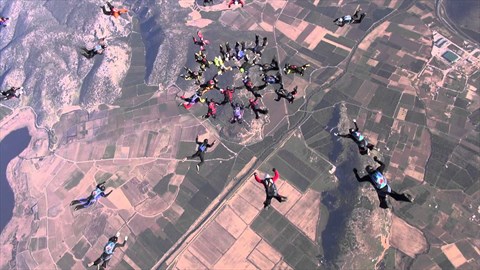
[(239, 53)]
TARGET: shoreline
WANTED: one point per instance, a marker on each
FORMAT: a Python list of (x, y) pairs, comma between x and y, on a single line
[(19, 225)]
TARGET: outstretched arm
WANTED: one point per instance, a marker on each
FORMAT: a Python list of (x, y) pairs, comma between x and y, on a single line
[(210, 145), (124, 242), (365, 178), (275, 177), (257, 178), (197, 141), (382, 165), (355, 123), (106, 195), (342, 135), (101, 184)]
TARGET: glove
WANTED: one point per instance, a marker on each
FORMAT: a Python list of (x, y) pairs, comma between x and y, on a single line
[(335, 134), (118, 234), (255, 173), (126, 238), (355, 170), (354, 120)]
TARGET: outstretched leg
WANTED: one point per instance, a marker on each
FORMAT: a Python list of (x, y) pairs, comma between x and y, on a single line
[(400, 197), (279, 96), (194, 155), (105, 11), (202, 158), (294, 92), (383, 200), (263, 111), (267, 202)]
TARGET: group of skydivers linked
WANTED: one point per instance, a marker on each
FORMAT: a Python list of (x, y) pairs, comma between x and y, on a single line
[(240, 53)]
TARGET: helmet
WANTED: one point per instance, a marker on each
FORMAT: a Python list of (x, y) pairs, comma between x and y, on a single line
[(211, 82), (113, 239), (251, 100), (242, 70), (102, 188), (205, 141), (267, 176), (369, 169)]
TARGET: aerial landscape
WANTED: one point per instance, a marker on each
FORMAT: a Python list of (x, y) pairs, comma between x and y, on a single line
[(112, 107)]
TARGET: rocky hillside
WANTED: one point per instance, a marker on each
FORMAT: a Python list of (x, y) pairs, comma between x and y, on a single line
[(40, 49)]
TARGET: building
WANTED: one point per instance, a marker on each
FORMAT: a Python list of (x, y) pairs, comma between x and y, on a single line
[(450, 57), (439, 43)]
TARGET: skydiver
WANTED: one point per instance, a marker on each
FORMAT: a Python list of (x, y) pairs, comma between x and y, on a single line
[(258, 49), (205, 2), (271, 190), (192, 75), (283, 93), (246, 65), (113, 11), (240, 50), (379, 182), (98, 49), (272, 79), (94, 196), (363, 145), (201, 58), (212, 109), (235, 2), (238, 111), (227, 95), (295, 69), (228, 51), (268, 67), (251, 88), (200, 41), (223, 53), (347, 19), (218, 61), (209, 85), (192, 100), (108, 251), (202, 149), (253, 104), (12, 92), (4, 21)]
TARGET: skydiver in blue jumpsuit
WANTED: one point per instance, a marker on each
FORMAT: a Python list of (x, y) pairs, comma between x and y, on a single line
[(94, 196), (108, 252)]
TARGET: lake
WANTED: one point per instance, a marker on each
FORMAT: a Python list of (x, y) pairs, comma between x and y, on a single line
[(10, 147)]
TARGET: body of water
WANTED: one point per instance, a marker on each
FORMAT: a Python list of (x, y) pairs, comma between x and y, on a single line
[(340, 202), (10, 147)]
